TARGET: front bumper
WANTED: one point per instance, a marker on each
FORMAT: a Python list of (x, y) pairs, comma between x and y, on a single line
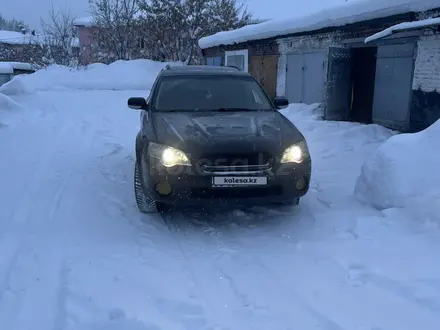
[(190, 187)]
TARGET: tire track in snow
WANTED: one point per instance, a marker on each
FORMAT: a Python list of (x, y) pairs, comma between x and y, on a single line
[(236, 284), (229, 301), (188, 270), (16, 233), (24, 274), (32, 299)]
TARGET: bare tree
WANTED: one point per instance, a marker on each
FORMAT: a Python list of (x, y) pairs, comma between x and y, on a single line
[(117, 31), (59, 36)]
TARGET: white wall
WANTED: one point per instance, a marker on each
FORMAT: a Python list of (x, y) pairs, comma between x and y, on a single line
[(427, 64)]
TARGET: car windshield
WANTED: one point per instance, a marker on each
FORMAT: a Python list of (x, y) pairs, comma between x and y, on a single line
[(198, 93)]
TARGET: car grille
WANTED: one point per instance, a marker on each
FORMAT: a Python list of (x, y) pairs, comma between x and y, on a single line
[(226, 163)]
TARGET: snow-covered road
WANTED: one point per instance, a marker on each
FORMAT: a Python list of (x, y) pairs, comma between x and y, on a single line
[(76, 254)]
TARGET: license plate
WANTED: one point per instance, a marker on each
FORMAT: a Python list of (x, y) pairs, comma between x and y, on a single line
[(234, 181)]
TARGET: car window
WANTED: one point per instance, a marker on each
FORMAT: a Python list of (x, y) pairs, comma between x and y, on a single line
[(188, 93)]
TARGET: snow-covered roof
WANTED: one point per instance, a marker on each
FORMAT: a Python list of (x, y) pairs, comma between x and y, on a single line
[(17, 38), (9, 67), (404, 27), (347, 13), (84, 21), (89, 21)]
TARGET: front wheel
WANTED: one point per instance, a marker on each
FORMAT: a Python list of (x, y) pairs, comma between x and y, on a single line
[(144, 203)]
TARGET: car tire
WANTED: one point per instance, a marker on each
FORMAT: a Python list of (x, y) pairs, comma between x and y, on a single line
[(164, 208), (144, 203)]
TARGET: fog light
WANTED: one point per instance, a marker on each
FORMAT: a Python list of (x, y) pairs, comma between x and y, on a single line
[(301, 183), (163, 188)]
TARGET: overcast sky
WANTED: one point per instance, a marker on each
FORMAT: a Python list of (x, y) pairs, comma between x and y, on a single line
[(32, 10)]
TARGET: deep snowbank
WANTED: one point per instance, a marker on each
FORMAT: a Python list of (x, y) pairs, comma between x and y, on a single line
[(120, 75), (6, 103), (403, 171), (335, 146)]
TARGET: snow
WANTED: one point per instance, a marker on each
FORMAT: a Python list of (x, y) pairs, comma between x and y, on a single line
[(9, 67), (87, 21), (346, 13), (403, 171), (75, 42), (120, 75), (75, 254), (402, 27), (17, 38), (6, 103)]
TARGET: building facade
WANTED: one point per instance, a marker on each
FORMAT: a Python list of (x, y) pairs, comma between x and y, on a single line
[(392, 81)]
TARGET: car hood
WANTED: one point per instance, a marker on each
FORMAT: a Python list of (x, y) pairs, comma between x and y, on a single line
[(225, 132)]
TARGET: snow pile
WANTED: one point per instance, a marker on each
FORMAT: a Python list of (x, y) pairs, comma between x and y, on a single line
[(347, 13), (309, 118), (303, 112), (6, 103), (335, 146), (8, 108), (9, 67), (120, 75), (403, 171)]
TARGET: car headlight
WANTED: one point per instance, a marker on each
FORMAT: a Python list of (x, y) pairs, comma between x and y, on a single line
[(168, 156), (295, 153)]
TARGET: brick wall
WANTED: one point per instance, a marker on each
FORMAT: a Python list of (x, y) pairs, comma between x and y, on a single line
[(427, 65), (425, 102)]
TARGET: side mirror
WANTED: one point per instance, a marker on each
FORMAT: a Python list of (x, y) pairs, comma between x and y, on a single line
[(137, 103), (280, 102)]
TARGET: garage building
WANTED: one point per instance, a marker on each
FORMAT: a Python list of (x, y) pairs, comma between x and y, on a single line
[(365, 61)]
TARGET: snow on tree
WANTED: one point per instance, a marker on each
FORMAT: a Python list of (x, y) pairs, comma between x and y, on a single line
[(58, 38), (172, 28), (116, 31), (228, 15), (12, 25)]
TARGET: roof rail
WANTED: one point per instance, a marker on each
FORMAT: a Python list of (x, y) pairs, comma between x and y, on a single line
[(167, 67)]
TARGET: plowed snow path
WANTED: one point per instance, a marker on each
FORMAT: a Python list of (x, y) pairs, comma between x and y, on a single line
[(76, 254)]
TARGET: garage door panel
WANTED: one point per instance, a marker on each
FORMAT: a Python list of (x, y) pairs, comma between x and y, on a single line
[(393, 85), (314, 79), (402, 83), (383, 92), (294, 78), (264, 70)]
